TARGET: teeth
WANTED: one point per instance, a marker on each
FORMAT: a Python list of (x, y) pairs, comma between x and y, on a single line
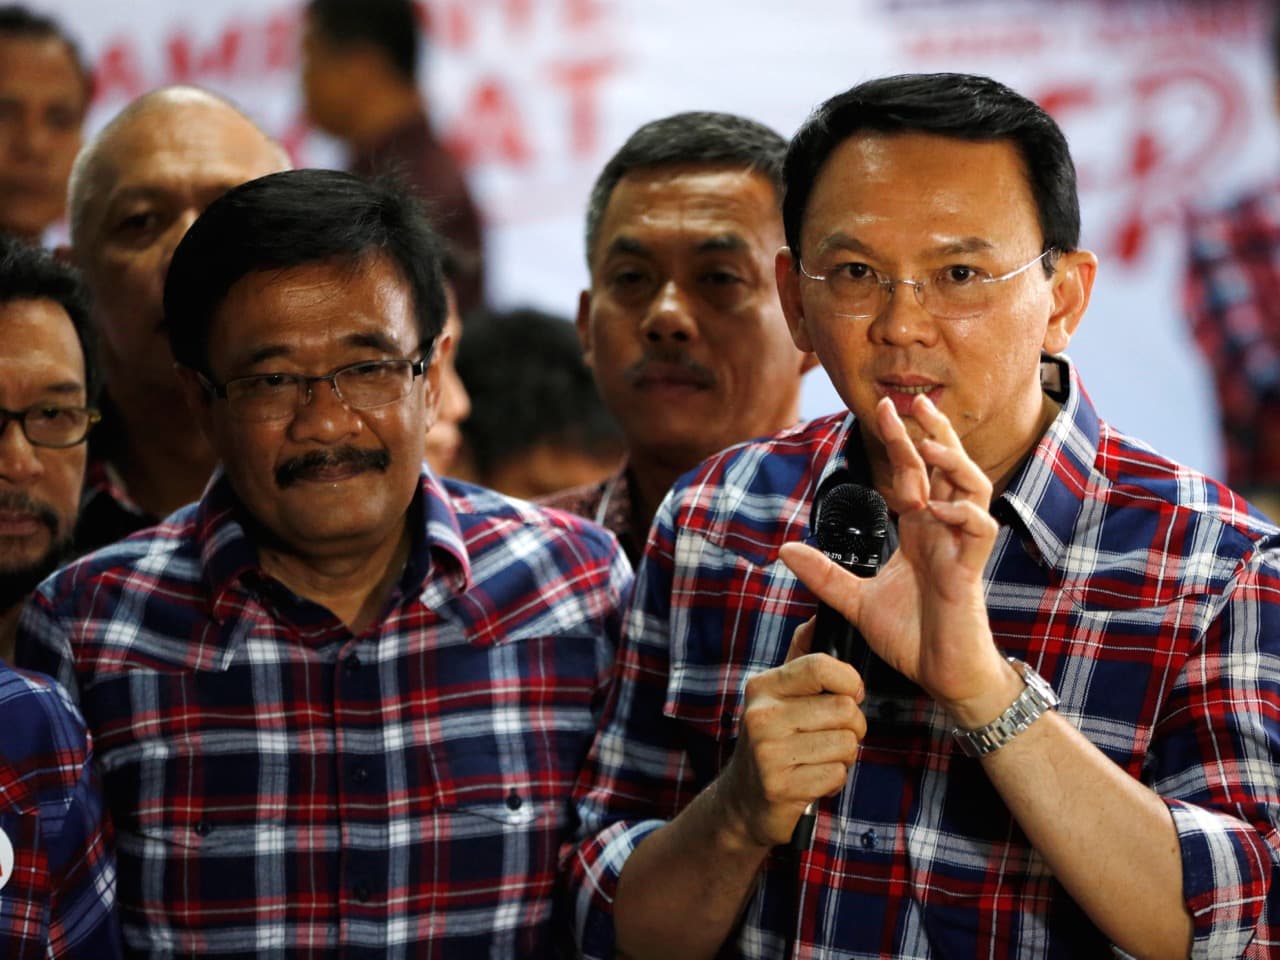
[(913, 390)]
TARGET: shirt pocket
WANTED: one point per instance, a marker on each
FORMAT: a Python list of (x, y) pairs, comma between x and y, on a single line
[(188, 772)]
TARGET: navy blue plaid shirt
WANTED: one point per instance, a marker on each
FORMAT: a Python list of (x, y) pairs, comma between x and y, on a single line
[(57, 875), (283, 788), (1146, 593)]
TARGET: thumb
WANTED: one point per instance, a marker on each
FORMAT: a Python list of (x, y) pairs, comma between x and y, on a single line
[(801, 640), (836, 587)]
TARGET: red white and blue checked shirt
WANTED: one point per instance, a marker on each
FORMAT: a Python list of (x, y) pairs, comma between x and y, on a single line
[(57, 875), (282, 788), (1144, 592), (1233, 302)]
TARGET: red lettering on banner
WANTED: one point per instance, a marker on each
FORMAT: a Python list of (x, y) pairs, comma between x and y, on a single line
[(281, 35), (117, 74), (581, 81), (580, 14), (489, 128), (221, 60)]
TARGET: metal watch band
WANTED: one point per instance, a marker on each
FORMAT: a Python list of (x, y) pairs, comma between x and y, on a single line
[(1034, 700)]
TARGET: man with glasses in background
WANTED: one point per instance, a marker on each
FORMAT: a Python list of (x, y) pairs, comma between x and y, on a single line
[(46, 412), (340, 703), (57, 875), (1055, 728)]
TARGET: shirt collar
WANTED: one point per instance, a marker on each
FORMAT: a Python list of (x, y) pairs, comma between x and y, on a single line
[(438, 559), (1048, 492)]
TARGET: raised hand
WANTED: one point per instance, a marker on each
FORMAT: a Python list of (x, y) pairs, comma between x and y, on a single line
[(924, 614)]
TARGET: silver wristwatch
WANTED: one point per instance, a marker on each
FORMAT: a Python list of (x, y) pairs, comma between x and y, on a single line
[(1035, 699)]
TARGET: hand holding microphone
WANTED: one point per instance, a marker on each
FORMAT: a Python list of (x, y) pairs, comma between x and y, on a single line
[(852, 522)]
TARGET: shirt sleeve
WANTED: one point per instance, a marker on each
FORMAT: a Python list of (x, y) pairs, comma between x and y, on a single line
[(1217, 766), (83, 922), (637, 776), (43, 644)]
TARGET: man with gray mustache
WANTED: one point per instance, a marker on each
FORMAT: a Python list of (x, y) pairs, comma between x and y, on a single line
[(682, 326)]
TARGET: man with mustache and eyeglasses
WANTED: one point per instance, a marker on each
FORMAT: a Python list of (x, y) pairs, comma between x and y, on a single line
[(46, 395), (57, 873), (682, 326), (340, 702)]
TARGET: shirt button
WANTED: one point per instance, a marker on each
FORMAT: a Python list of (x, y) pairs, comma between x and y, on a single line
[(513, 800), (352, 663), (362, 892), (360, 774), (203, 828), (870, 841)]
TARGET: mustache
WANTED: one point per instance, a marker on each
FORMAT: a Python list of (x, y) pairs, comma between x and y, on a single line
[(316, 461), (698, 374), (18, 502)]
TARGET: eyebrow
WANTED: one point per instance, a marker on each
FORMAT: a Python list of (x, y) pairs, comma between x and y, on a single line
[(844, 241), (64, 387), (720, 243), (374, 340)]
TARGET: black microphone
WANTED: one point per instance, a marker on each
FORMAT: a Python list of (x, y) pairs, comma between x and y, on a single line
[(852, 522)]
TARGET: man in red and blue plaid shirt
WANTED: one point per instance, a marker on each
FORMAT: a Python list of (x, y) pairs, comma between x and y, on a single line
[(339, 704), (1232, 290), (57, 875), (1038, 559)]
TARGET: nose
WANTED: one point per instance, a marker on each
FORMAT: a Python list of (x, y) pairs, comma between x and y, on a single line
[(669, 318), (904, 320), (20, 462), (324, 416)]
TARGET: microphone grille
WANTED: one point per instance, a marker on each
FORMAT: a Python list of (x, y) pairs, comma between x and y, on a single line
[(848, 512)]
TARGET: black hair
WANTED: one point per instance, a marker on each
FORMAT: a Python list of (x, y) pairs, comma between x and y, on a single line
[(17, 21), (957, 105), (30, 273), (529, 386), (291, 219), (388, 25), (722, 139)]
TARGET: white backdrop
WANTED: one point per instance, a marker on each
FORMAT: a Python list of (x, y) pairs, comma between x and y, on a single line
[(1164, 103)]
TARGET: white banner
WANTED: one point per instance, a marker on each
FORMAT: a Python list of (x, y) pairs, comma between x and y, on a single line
[(1164, 104)]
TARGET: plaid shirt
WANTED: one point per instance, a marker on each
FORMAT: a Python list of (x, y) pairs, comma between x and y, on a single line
[(282, 788), (57, 893), (607, 503), (1144, 592), (1233, 301)]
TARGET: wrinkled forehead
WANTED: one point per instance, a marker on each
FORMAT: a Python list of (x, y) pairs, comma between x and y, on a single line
[(191, 147), (695, 204)]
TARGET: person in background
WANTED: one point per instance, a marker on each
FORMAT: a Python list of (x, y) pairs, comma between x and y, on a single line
[(46, 411), (340, 703), (361, 84), (444, 440), (682, 327), (1055, 730), (57, 873), (537, 424), (1232, 294), (134, 191), (45, 89)]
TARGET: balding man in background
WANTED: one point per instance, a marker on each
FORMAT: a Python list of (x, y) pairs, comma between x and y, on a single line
[(135, 189), (45, 90)]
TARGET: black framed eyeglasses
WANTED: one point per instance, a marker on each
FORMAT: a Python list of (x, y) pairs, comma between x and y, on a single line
[(279, 396), (51, 425)]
